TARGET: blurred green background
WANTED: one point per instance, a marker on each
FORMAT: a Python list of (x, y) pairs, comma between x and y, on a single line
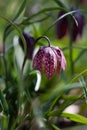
[(41, 25)]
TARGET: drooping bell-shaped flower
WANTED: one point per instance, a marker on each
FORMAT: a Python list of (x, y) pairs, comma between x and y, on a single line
[(83, 1), (78, 29), (30, 41), (62, 26), (50, 60)]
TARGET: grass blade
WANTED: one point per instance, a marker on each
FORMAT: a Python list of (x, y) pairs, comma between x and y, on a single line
[(75, 117), (4, 103), (21, 9), (84, 87)]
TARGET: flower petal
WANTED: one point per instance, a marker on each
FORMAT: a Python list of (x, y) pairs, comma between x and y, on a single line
[(63, 62), (49, 62), (37, 61), (58, 54)]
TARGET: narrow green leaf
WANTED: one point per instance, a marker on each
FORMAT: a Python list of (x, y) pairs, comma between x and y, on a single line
[(84, 87), (78, 75), (75, 117), (9, 28), (55, 127), (21, 9), (41, 12), (60, 3), (36, 21), (80, 55), (4, 103), (62, 106), (55, 100), (60, 89), (67, 102), (4, 120), (7, 31), (16, 28)]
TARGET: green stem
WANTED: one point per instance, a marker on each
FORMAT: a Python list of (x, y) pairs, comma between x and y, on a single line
[(71, 57), (45, 37), (25, 58), (70, 44), (4, 60), (4, 103)]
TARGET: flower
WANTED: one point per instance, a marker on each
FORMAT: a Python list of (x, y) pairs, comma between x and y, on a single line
[(62, 26), (29, 44), (83, 1), (78, 29), (49, 59)]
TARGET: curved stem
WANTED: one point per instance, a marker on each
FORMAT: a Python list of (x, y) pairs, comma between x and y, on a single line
[(41, 12), (45, 37), (25, 58), (58, 19)]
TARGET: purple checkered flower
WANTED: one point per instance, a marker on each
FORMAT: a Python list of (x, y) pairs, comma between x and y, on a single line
[(49, 59)]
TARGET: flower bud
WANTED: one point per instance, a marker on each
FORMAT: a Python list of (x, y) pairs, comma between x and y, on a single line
[(30, 42), (62, 26), (49, 59)]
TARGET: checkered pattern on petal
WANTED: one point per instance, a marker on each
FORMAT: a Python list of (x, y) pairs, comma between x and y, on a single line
[(58, 54), (49, 62), (37, 61), (49, 59)]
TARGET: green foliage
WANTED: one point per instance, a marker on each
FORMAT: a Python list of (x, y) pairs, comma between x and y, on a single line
[(75, 117), (28, 100)]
